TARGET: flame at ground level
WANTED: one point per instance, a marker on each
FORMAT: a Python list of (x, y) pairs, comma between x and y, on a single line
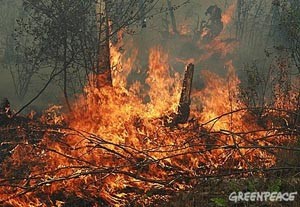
[(116, 146)]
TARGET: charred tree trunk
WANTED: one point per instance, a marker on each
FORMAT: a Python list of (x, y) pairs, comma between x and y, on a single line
[(185, 98), (104, 62), (103, 70), (183, 111)]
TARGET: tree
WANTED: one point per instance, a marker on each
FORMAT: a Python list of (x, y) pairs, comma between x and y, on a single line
[(291, 25), (71, 37), (61, 36)]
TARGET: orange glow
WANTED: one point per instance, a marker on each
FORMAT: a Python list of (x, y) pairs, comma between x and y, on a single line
[(227, 16), (186, 28), (121, 63), (116, 146), (213, 105), (165, 88), (218, 46)]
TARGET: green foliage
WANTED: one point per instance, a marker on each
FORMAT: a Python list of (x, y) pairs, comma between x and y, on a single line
[(55, 36), (53, 26), (65, 37), (290, 21), (220, 202), (275, 186), (252, 185), (233, 186)]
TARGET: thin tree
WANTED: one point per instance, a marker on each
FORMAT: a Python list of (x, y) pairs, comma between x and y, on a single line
[(71, 37)]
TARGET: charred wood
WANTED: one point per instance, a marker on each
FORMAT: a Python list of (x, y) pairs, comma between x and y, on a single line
[(103, 70), (183, 111), (185, 99)]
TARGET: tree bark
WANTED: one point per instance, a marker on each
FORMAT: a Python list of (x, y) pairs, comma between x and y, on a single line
[(183, 110), (103, 70), (65, 75), (172, 15), (185, 98)]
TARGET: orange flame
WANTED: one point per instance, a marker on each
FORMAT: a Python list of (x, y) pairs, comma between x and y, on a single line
[(227, 16), (164, 87), (116, 141)]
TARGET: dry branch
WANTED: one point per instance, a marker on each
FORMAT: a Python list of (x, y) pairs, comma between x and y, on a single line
[(140, 162)]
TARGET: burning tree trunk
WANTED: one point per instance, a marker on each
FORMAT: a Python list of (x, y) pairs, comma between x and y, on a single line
[(185, 99), (183, 111), (103, 70)]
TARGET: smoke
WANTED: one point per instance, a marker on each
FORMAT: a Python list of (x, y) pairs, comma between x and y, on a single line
[(181, 49)]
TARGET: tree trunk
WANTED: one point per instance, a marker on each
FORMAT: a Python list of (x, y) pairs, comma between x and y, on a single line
[(103, 70), (172, 15), (183, 111), (185, 98), (65, 67)]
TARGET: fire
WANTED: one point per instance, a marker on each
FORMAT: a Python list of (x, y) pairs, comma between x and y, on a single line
[(111, 128), (121, 63), (186, 28), (116, 145), (218, 46), (227, 16), (213, 105), (164, 87)]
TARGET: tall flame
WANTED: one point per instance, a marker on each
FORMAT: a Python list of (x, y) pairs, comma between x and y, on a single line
[(116, 145), (165, 87)]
